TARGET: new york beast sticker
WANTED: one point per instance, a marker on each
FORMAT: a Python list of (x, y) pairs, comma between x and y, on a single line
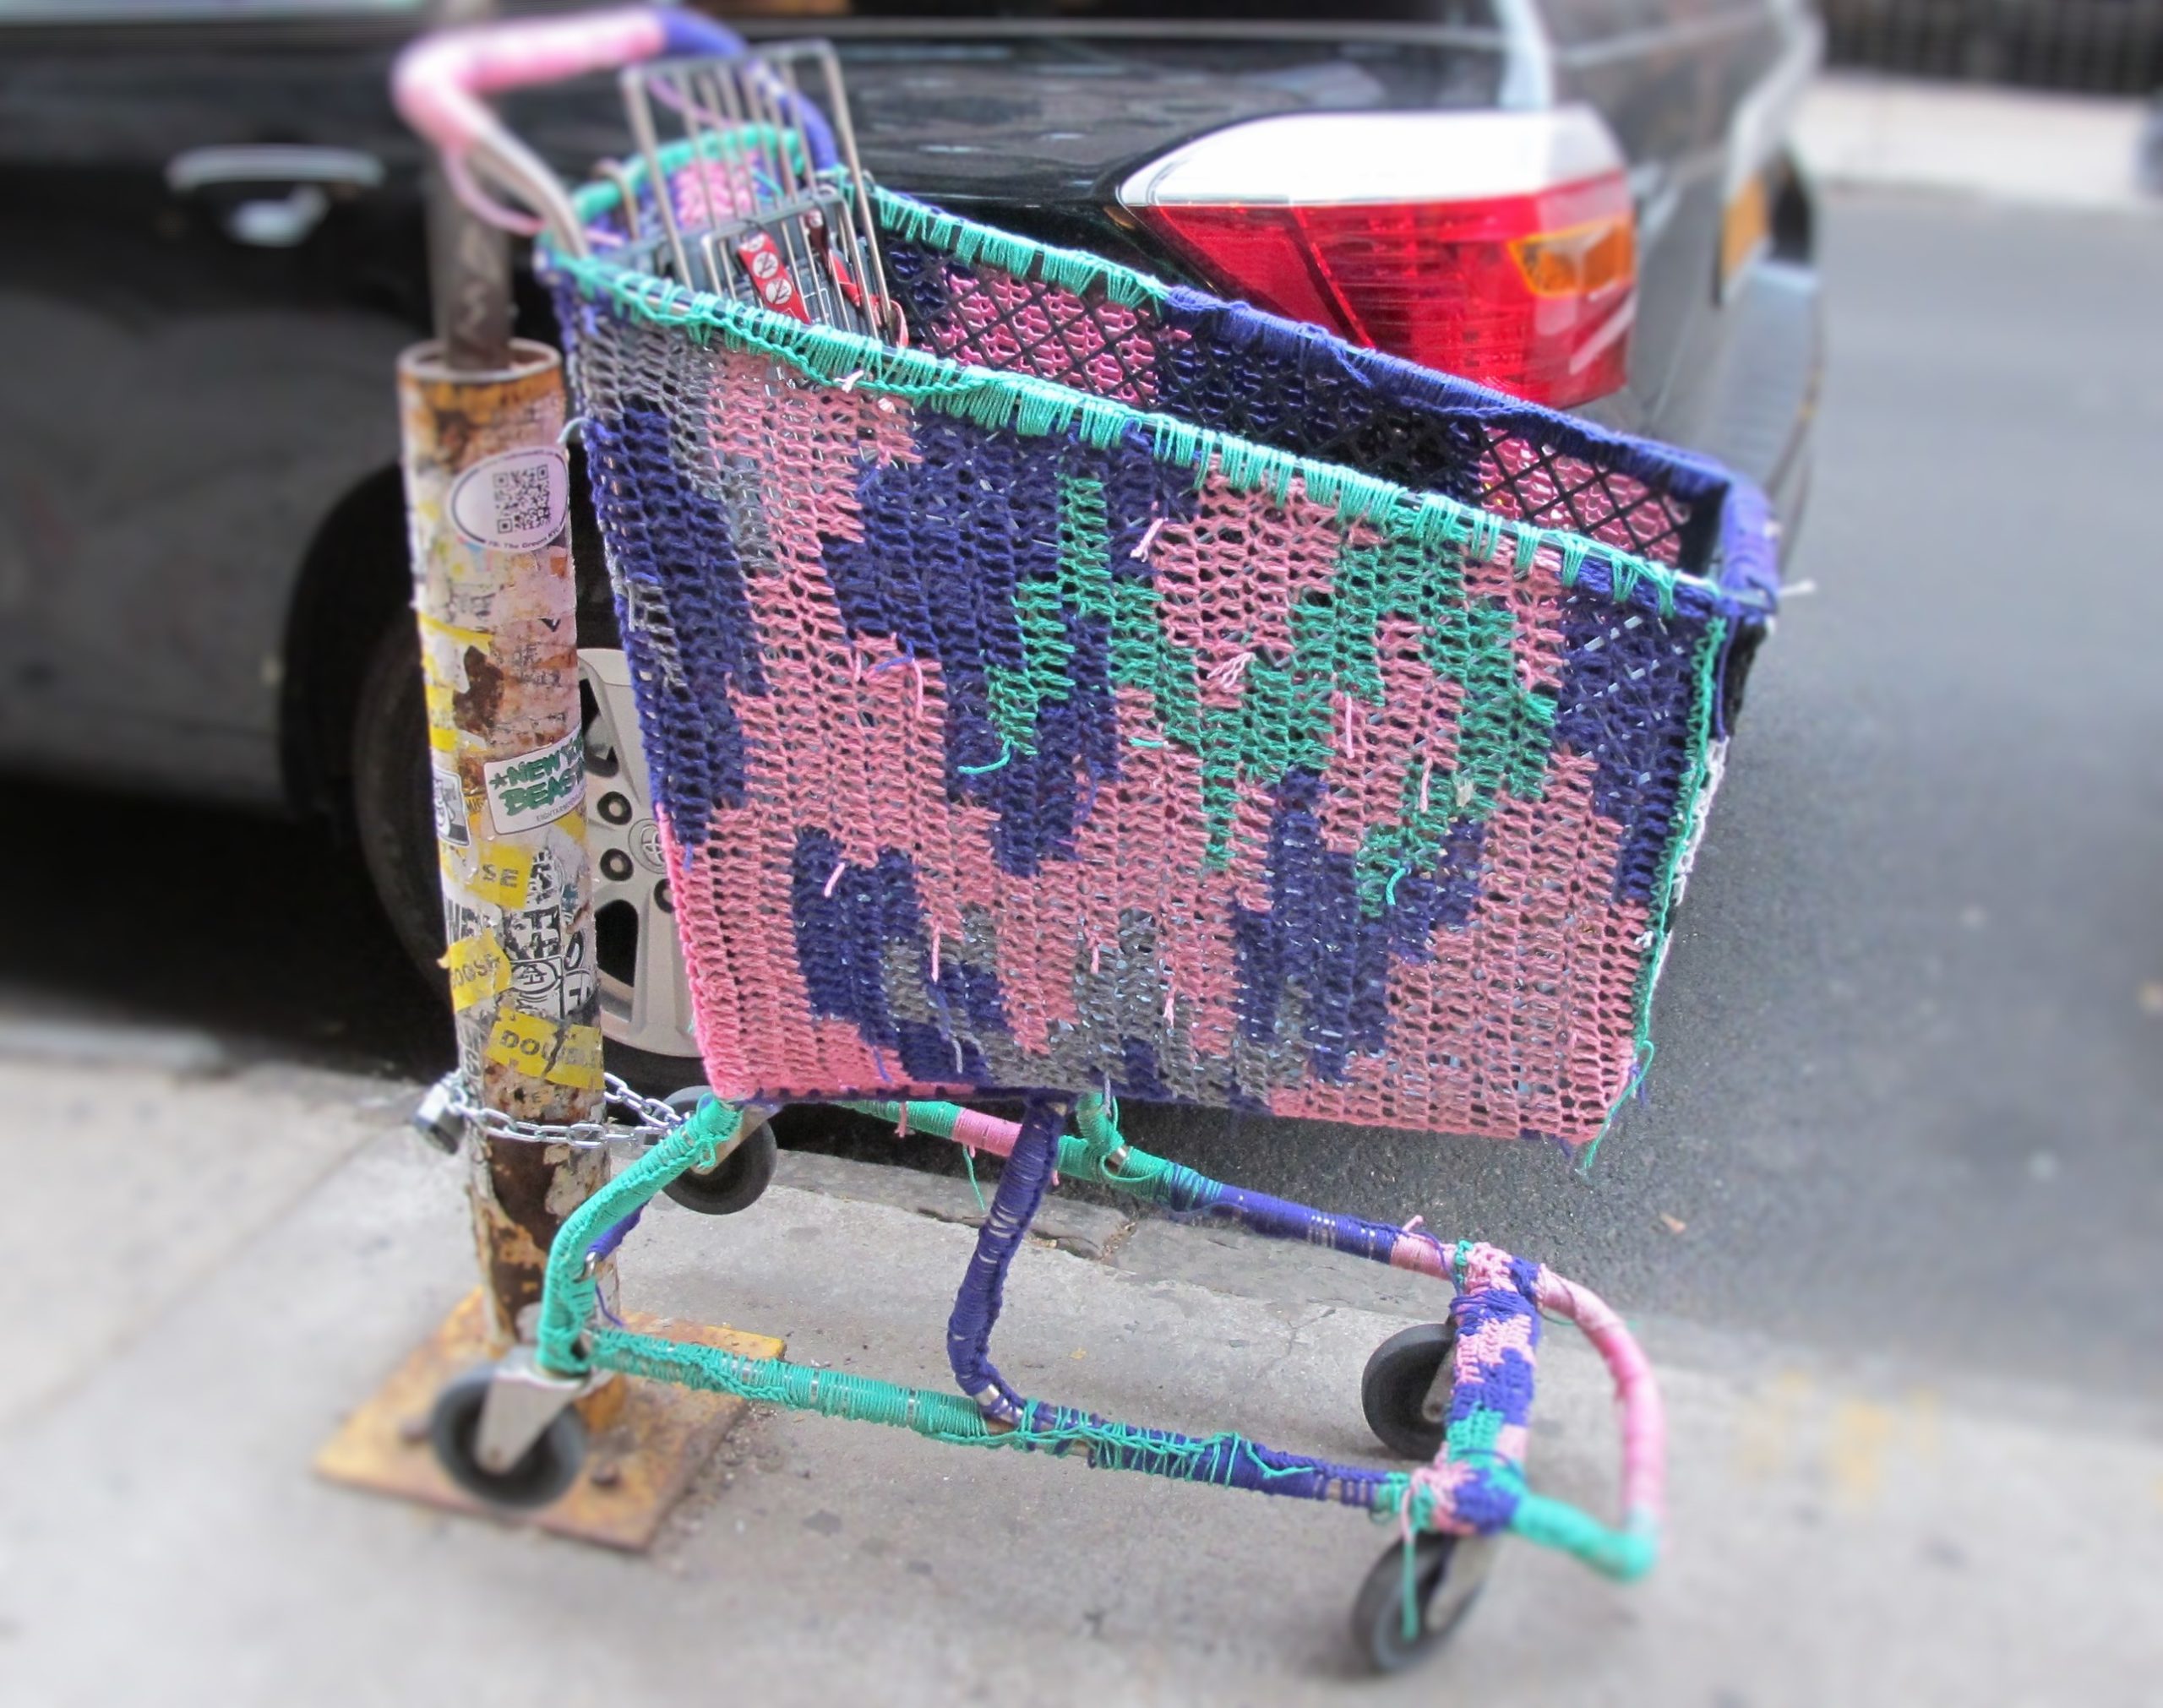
[(536, 788)]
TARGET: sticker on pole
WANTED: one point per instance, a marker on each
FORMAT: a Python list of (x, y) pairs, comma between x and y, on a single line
[(477, 970), (526, 1042), (450, 808), (501, 874), (514, 502), (536, 788), (578, 1060)]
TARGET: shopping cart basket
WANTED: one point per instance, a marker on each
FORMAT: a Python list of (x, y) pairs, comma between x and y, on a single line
[(1061, 686)]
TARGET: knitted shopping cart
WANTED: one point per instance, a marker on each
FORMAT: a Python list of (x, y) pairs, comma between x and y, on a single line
[(1118, 691), (1051, 704)]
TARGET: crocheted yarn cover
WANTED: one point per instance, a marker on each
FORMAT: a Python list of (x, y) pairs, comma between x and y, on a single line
[(1000, 746)]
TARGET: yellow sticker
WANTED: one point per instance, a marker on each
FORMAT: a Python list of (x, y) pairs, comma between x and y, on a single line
[(443, 731), (501, 873), (522, 1041), (478, 970), (453, 632), (577, 1063)]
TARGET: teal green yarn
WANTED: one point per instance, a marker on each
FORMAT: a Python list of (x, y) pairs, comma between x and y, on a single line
[(938, 1416), (1071, 270), (568, 1291), (1625, 1555), (1099, 1153), (1015, 696), (571, 1344), (1088, 1154), (969, 1164), (938, 1120), (949, 1418)]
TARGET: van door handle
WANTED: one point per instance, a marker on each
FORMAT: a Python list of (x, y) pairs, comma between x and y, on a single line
[(307, 176)]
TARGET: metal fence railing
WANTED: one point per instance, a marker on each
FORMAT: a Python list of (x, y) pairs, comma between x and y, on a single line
[(2105, 46)]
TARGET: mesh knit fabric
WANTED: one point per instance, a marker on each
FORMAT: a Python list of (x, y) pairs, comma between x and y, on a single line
[(1007, 736), (1291, 386)]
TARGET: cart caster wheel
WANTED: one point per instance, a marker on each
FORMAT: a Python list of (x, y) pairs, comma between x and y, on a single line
[(1407, 1407), (736, 1182), (550, 1466), (1448, 1572)]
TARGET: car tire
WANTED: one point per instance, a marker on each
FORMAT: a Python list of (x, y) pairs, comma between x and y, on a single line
[(393, 806), (394, 820)]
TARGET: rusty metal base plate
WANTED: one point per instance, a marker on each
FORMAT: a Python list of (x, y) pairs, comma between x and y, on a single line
[(646, 1439)]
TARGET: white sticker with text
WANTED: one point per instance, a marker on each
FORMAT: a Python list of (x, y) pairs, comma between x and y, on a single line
[(536, 788)]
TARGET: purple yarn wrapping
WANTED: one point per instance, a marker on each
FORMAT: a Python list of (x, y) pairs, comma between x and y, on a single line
[(1317, 940), (1490, 1499), (946, 540), (1021, 1188), (614, 1235), (1628, 679), (672, 544), (846, 917), (1279, 1218), (1233, 1462)]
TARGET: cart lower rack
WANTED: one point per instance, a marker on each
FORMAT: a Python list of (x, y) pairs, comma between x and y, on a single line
[(1458, 1393)]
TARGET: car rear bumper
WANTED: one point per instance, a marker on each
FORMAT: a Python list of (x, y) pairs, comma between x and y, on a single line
[(1761, 402)]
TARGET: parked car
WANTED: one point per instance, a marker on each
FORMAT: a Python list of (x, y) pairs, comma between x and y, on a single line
[(211, 252)]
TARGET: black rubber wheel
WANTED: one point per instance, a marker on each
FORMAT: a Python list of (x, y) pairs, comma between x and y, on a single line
[(736, 1182), (1448, 1572), (549, 1466), (393, 801), (1397, 1391)]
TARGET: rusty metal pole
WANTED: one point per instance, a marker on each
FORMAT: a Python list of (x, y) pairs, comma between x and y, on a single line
[(487, 491), (486, 495)]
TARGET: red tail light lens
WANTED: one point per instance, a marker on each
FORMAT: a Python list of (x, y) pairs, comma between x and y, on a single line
[(1531, 288)]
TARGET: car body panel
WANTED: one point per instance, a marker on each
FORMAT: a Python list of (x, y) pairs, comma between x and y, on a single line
[(186, 408), (182, 409)]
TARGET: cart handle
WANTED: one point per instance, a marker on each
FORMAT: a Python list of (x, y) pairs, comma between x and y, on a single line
[(438, 83), (1628, 1551)]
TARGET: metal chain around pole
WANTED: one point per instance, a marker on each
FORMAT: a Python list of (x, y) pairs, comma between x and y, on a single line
[(450, 1112)]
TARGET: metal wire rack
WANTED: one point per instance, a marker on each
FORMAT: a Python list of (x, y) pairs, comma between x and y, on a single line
[(733, 197)]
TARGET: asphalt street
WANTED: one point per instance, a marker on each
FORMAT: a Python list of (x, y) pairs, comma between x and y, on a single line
[(1910, 1038)]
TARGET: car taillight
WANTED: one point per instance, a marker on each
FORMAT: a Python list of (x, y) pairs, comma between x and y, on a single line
[(1498, 246)]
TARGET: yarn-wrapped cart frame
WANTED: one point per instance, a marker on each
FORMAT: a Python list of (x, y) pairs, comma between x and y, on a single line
[(1120, 692)]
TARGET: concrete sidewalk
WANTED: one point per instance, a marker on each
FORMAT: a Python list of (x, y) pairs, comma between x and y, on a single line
[(1838, 1535), (2000, 144)]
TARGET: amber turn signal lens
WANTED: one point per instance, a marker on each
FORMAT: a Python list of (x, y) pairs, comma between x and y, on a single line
[(1581, 261)]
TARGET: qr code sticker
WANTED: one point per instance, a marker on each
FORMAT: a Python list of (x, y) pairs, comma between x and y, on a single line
[(515, 502), (523, 498)]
